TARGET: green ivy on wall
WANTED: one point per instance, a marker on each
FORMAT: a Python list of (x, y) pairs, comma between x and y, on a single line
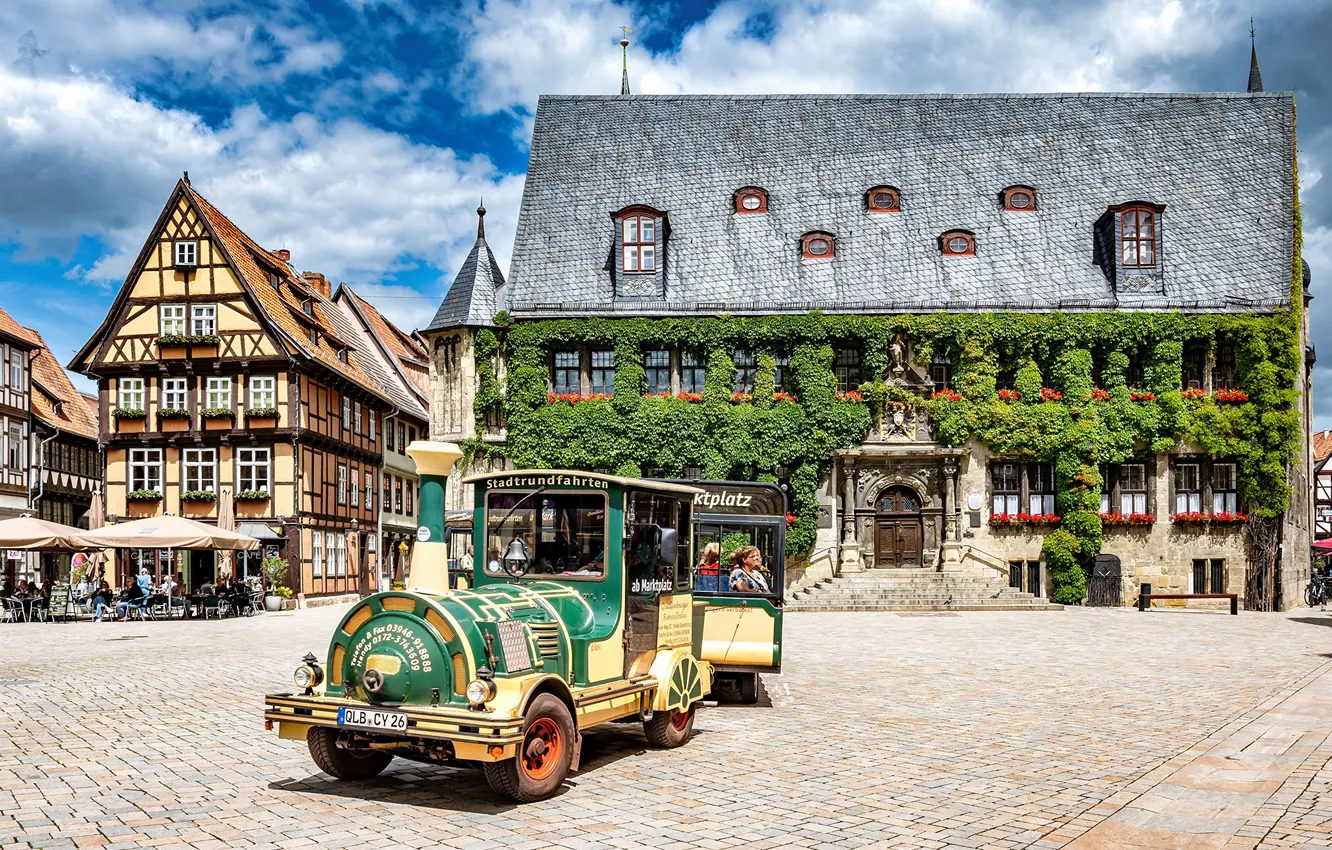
[(1071, 353)]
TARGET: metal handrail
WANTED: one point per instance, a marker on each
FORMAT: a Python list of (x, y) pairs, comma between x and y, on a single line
[(1000, 569)]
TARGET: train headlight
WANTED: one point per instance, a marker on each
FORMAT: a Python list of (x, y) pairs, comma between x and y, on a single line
[(309, 674), (480, 692)]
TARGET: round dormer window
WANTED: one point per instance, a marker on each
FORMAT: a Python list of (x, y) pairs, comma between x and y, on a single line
[(818, 247), (751, 202), (1020, 200), (751, 199), (958, 243), (882, 199)]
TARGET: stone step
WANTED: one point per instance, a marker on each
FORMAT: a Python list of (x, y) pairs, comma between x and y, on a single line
[(968, 589)]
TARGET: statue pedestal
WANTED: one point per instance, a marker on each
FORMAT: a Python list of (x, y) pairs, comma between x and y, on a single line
[(950, 556), (851, 562)]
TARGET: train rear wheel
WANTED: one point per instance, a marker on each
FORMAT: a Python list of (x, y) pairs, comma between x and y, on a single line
[(543, 757), (340, 763), (748, 683), (669, 729)]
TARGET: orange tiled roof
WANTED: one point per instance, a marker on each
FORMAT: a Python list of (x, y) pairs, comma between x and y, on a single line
[(54, 399), (1322, 444), (11, 328), (283, 305), (411, 354)]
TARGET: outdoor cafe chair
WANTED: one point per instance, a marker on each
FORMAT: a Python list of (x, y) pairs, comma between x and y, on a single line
[(14, 611), (213, 606)]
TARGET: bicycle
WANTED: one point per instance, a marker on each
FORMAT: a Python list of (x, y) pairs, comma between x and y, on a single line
[(1319, 590)]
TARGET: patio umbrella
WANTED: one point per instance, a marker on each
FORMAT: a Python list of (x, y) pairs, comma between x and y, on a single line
[(166, 532), (29, 532), (96, 519), (226, 521), (1325, 545)]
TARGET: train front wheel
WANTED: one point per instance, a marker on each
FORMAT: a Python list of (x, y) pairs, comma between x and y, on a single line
[(340, 763), (543, 757)]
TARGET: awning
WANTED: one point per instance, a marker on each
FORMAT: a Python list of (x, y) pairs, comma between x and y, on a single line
[(259, 531)]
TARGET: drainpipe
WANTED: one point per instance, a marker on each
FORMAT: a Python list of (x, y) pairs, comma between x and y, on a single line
[(41, 467)]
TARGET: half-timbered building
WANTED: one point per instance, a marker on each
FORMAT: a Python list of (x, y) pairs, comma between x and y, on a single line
[(225, 373)]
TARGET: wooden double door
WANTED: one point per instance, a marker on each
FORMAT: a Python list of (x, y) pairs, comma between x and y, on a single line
[(897, 537)]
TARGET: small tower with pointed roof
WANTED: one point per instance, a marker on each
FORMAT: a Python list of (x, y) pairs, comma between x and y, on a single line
[(468, 307), (1255, 77)]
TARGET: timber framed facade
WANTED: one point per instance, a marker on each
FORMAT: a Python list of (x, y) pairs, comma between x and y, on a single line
[(224, 373)]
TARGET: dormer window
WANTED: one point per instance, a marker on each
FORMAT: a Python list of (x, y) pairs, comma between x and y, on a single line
[(639, 243), (818, 246), (1137, 238), (187, 254), (342, 355), (314, 338), (307, 307), (883, 199), (958, 243), (751, 199), (1019, 199)]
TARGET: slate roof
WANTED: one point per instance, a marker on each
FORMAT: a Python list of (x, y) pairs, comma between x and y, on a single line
[(1222, 165), (54, 400), (472, 300)]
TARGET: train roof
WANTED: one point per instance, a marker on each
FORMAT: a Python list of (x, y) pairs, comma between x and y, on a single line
[(658, 484)]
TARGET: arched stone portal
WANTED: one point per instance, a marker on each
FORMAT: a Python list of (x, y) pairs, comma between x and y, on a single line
[(897, 528)]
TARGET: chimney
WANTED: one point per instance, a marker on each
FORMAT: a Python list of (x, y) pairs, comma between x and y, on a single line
[(283, 254), (319, 282)]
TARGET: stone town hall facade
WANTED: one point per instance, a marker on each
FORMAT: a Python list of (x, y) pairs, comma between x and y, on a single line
[(665, 210)]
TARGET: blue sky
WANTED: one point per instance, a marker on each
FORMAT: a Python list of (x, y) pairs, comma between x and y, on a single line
[(360, 134)]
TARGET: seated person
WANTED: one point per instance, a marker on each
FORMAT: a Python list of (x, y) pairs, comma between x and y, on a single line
[(709, 567), (102, 600), (134, 598), (24, 590), (747, 576)]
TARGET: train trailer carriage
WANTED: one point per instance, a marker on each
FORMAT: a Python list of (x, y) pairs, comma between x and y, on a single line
[(741, 626), (581, 613)]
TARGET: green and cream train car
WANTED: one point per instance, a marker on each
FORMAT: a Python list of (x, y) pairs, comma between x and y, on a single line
[(581, 613)]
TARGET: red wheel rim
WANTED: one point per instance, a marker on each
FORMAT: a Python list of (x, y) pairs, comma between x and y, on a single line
[(543, 747), (679, 720)]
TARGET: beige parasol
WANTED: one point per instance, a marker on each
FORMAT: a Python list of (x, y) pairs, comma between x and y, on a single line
[(226, 521), (166, 532), (29, 532), (96, 519)]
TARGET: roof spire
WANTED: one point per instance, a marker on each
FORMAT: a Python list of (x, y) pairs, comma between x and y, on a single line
[(624, 55), (187, 178), (481, 222), (1255, 78)]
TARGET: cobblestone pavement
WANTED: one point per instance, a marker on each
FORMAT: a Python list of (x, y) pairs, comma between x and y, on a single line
[(1091, 728)]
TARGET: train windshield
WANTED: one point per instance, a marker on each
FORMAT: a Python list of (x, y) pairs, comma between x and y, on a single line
[(565, 533)]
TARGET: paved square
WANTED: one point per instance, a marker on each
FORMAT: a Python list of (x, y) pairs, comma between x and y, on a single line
[(1086, 728)]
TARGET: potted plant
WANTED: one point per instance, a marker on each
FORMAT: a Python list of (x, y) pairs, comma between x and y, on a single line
[(275, 576), (253, 496), (262, 417)]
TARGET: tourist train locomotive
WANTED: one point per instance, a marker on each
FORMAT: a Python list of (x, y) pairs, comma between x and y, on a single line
[(581, 613)]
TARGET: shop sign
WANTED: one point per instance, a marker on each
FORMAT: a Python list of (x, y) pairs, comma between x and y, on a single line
[(729, 497), (15, 554)]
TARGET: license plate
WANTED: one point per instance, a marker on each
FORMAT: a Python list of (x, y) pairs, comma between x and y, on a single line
[(373, 718)]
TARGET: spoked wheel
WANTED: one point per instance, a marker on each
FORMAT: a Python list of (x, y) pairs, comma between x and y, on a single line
[(669, 729), (340, 763), (1313, 596), (543, 757)]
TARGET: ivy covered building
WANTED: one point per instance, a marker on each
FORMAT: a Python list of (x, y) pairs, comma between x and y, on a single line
[(1017, 331)]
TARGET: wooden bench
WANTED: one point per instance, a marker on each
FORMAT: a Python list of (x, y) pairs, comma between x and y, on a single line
[(1145, 600)]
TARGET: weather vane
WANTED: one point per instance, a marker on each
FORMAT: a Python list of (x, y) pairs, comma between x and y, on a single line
[(1251, 29)]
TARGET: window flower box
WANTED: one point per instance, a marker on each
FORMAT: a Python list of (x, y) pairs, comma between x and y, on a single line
[(256, 415), (691, 398), (576, 398), (741, 398), (218, 413), (143, 496), (129, 413), (1048, 394), (173, 413), (1008, 395), (1100, 395), (253, 496), (1023, 519), (1116, 519), (853, 396), (1201, 518), (1193, 393), (786, 398), (1230, 396), (182, 340), (1139, 395), (198, 496)]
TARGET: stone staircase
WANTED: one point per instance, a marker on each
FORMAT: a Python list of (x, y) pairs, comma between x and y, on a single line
[(968, 588)]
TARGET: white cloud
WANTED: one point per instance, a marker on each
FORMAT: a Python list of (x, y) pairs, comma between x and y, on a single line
[(180, 37), (517, 49), (80, 156)]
